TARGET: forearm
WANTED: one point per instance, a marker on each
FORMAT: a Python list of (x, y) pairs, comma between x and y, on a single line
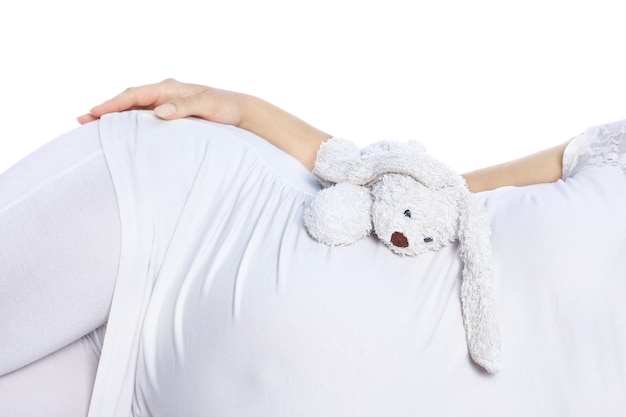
[(282, 129), (541, 167), (302, 141)]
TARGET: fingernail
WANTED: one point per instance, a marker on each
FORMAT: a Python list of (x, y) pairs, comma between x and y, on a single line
[(165, 110)]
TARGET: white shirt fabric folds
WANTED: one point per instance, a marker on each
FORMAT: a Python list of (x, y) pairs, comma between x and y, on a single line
[(224, 306)]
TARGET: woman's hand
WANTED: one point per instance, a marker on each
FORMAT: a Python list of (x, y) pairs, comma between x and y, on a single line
[(171, 99)]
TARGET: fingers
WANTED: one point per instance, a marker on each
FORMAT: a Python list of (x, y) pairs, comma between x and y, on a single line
[(143, 96), (171, 99), (85, 118), (147, 96)]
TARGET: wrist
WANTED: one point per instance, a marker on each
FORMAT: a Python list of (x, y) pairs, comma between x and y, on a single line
[(249, 107), (281, 129)]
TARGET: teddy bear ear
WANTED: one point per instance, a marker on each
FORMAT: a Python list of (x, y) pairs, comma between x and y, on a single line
[(339, 160), (477, 298), (393, 146), (335, 159), (340, 214)]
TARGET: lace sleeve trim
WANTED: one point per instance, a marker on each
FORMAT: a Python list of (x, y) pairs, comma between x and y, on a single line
[(603, 145)]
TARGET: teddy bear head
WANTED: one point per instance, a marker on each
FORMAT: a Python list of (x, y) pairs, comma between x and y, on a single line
[(413, 203), (410, 218)]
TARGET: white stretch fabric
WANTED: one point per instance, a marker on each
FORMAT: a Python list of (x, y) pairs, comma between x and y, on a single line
[(59, 253), (224, 306)]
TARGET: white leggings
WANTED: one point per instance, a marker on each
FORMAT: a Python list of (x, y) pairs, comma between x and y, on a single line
[(59, 253)]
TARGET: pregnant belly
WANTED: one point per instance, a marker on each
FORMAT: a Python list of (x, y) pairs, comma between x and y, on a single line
[(344, 339)]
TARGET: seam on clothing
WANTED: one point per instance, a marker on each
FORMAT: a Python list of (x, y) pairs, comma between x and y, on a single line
[(50, 180)]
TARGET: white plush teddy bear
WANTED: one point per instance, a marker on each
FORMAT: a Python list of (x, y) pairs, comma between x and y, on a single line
[(413, 203)]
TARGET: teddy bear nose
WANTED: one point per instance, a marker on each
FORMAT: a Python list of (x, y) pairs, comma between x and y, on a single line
[(399, 240)]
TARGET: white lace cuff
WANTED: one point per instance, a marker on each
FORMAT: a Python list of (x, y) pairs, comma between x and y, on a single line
[(599, 146)]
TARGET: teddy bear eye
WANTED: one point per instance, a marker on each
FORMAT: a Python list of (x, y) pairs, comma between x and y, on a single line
[(428, 239), (407, 213)]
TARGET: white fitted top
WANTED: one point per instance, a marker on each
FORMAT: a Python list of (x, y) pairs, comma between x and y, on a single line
[(225, 307)]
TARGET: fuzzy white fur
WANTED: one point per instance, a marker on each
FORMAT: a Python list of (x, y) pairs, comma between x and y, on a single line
[(414, 203)]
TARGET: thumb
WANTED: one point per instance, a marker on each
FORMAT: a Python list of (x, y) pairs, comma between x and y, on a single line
[(210, 104), (195, 105), (168, 111)]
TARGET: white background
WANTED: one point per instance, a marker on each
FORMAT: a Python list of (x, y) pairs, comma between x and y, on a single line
[(478, 81)]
